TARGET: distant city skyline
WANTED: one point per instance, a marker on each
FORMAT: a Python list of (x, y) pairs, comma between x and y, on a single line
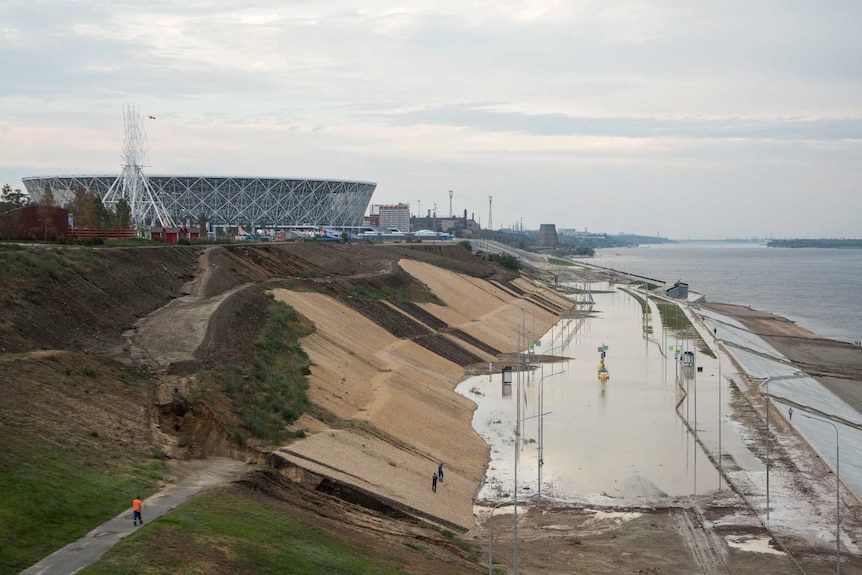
[(700, 121)]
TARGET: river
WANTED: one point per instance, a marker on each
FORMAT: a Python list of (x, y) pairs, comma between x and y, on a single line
[(818, 288)]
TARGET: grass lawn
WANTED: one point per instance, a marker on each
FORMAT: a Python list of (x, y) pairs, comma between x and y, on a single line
[(52, 494), (220, 532)]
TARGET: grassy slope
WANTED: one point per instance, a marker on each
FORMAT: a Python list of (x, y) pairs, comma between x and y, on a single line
[(56, 486), (51, 494), (221, 532)]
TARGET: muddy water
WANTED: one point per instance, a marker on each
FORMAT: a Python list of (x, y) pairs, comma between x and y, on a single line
[(624, 438)]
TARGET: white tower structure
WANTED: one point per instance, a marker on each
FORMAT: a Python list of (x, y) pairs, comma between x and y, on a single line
[(451, 193), (490, 200), (132, 184)]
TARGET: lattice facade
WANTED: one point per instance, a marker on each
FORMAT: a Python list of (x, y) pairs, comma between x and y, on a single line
[(270, 202)]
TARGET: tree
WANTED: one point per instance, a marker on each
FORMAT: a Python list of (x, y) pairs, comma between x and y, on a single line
[(86, 208), (45, 214), (11, 200), (123, 215), (48, 197)]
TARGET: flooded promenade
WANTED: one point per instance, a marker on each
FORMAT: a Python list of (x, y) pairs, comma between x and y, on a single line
[(681, 415), (624, 439)]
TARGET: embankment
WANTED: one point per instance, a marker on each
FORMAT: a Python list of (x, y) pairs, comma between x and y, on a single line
[(394, 397)]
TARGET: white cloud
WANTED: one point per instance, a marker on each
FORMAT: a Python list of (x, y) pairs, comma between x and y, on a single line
[(624, 100)]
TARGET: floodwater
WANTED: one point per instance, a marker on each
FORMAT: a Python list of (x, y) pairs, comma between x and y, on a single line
[(625, 438)]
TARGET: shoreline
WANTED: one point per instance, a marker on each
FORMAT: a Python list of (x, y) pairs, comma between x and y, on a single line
[(733, 275), (836, 364)]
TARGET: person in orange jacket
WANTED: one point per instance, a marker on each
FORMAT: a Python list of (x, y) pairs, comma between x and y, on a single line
[(136, 511)]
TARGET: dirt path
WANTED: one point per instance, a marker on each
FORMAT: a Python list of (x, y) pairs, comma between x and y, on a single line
[(192, 478), (172, 333)]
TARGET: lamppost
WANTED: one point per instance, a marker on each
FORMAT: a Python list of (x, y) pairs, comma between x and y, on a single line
[(521, 333), (766, 383), (541, 417), (491, 531), (837, 494), (720, 467)]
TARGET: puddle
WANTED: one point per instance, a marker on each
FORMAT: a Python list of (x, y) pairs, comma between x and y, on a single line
[(621, 438), (754, 544)]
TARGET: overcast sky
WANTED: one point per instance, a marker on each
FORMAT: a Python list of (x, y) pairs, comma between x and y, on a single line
[(679, 118)]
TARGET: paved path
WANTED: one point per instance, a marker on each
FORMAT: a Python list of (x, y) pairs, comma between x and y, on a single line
[(86, 550)]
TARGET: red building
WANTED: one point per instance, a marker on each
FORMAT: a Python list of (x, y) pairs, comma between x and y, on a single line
[(173, 235)]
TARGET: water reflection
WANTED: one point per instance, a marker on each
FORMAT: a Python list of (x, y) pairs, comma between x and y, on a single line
[(622, 437)]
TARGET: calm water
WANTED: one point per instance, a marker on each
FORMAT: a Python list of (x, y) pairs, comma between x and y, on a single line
[(628, 439), (820, 289), (623, 439)]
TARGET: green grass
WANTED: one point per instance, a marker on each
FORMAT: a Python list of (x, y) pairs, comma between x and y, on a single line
[(237, 535), (643, 302), (41, 266), (128, 242), (649, 286), (559, 262), (270, 393), (675, 320), (471, 549), (53, 493)]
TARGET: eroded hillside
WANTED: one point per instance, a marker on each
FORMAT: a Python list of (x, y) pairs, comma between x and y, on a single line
[(393, 329)]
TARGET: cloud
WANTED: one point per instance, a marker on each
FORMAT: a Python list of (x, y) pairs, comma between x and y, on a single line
[(623, 100), (494, 118)]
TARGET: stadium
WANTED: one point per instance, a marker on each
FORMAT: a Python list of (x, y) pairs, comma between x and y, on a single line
[(222, 201), (233, 201)]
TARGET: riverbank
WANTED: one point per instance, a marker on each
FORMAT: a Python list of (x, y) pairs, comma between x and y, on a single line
[(399, 396), (815, 288), (716, 530), (835, 364), (384, 415)]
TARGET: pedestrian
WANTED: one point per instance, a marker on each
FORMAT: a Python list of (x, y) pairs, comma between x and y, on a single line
[(136, 511), (440, 472), (434, 483), (790, 413)]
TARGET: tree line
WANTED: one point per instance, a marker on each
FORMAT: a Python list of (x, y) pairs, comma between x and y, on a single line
[(87, 208)]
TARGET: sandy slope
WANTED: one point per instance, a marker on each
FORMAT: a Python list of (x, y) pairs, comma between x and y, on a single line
[(363, 373)]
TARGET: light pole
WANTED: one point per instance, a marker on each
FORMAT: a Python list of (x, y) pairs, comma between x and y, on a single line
[(837, 494), (766, 383), (541, 417), (521, 333), (491, 532), (720, 468)]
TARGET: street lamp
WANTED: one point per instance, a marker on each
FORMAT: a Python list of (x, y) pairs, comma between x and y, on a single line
[(837, 494), (491, 531), (541, 427), (521, 333), (766, 383), (720, 467), (540, 416)]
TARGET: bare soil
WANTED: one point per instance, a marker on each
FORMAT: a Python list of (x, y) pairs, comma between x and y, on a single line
[(126, 337)]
